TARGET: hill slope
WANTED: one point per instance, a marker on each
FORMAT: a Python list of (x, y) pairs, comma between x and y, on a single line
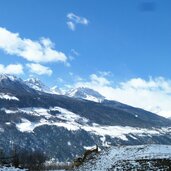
[(142, 157), (63, 126)]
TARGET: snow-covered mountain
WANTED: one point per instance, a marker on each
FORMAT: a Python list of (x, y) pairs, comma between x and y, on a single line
[(11, 84), (141, 157), (85, 93), (55, 90), (62, 126), (36, 84), (4, 77), (6, 80)]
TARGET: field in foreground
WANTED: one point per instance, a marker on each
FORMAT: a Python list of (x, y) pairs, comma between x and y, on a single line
[(142, 157)]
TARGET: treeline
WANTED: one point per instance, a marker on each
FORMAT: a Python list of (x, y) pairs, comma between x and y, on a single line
[(31, 160)]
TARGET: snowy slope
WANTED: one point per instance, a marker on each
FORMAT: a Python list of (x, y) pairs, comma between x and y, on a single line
[(55, 90), (85, 93), (11, 169), (11, 85), (114, 157), (58, 124), (61, 117), (7, 76), (8, 97), (36, 84)]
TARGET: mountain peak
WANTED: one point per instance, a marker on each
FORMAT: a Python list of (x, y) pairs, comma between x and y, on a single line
[(8, 77), (55, 90), (36, 84), (85, 93)]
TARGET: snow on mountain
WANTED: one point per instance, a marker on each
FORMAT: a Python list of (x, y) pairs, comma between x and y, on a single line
[(36, 84), (8, 97), (64, 118), (55, 90), (85, 93), (115, 158), (74, 122), (33, 83), (13, 86), (11, 169), (7, 77), (38, 116)]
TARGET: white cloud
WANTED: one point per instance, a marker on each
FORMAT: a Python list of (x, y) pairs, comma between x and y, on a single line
[(73, 20), (77, 19), (71, 73), (153, 94), (60, 80), (71, 25), (35, 51), (75, 52), (105, 73), (39, 69), (102, 81), (15, 69)]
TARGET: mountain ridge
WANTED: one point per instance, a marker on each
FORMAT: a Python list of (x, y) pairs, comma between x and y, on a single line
[(85, 93), (58, 124)]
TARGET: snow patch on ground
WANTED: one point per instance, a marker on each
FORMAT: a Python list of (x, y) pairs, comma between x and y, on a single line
[(89, 147), (36, 111), (74, 122), (111, 156), (62, 117), (8, 97), (25, 126), (70, 120), (8, 123), (118, 131), (11, 169), (92, 98), (8, 111)]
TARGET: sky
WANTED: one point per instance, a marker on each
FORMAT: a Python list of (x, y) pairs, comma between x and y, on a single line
[(120, 48)]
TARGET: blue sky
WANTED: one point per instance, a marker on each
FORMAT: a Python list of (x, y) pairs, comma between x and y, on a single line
[(117, 40)]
